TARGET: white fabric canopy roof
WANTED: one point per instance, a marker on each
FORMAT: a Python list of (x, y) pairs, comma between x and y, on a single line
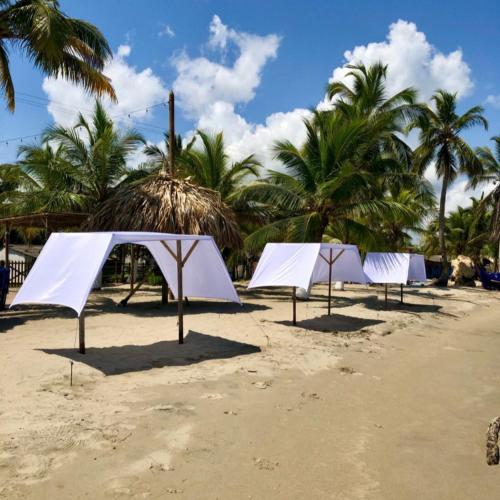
[(303, 264), (69, 263), (385, 267)]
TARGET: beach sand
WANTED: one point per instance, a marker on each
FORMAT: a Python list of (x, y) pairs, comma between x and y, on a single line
[(366, 404)]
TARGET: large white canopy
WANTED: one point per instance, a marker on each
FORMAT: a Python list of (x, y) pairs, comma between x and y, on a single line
[(303, 264), (384, 267), (69, 263)]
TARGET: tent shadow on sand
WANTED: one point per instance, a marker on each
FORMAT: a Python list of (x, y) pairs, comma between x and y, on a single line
[(334, 323), (197, 347)]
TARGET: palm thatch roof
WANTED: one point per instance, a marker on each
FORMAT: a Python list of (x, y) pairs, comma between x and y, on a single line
[(165, 204)]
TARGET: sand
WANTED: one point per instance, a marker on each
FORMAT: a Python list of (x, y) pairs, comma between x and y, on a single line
[(366, 404)]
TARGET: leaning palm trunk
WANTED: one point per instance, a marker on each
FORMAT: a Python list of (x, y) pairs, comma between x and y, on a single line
[(443, 279), (164, 204)]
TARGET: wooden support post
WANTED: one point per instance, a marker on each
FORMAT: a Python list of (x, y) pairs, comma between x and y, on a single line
[(164, 291), (180, 293), (7, 244), (385, 286), (294, 297), (132, 267), (81, 332), (401, 293), (330, 265)]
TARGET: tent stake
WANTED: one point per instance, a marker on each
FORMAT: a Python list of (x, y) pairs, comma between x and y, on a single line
[(180, 294), (81, 332), (330, 265), (294, 297)]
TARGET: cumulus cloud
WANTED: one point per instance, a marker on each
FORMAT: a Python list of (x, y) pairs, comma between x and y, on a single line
[(208, 91), (135, 89), (202, 82), (412, 62)]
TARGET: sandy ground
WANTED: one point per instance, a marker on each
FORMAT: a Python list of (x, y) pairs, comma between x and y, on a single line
[(366, 404)]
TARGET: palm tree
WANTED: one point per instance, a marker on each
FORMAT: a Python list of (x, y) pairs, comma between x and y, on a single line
[(441, 142), (367, 98), (327, 185), (98, 152), (491, 174), (58, 45), (209, 166)]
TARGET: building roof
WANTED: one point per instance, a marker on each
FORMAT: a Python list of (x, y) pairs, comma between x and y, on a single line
[(51, 221)]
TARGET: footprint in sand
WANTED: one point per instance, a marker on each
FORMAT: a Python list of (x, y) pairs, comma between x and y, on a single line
[(212, 395)]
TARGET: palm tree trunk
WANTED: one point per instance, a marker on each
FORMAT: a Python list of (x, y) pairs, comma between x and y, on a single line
[(443, 279)]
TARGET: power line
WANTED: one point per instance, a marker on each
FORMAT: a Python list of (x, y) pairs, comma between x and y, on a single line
[(41, 102)]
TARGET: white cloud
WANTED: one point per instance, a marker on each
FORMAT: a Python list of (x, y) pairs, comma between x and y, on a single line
[(494, 100), (202, 82), (412, 62), (167, 31), (135, 89), (210, 90)]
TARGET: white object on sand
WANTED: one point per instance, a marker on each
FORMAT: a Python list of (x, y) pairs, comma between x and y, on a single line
[(69, 263), (386, 267), (300, 265)]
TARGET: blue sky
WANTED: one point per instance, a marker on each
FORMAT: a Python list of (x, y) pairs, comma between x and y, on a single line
[(266, 62)]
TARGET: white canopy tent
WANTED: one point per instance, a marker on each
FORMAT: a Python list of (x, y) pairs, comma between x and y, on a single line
[(69, 263), (304, 264), (399, 268)]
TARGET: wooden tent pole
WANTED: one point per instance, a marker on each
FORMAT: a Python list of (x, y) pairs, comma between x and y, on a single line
[(401, 293), (171, 133), (180, 293), (164, 291), (385, 286), (330, 265), (294, 298), (132, 267), (81, 332)]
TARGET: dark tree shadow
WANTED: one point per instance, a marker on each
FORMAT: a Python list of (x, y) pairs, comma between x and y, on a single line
[(197, 347), (334, 323)]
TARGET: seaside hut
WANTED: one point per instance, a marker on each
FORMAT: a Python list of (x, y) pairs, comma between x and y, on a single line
[(304, 264), (69, 263), (394, 268), (164, 203)]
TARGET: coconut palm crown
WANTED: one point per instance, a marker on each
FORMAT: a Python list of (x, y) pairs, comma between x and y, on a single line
[(56, 44)]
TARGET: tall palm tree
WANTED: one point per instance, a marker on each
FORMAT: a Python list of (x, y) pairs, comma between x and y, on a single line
[(328, 182), (441, 142), (97, 151), (58, 45), (491, 174)]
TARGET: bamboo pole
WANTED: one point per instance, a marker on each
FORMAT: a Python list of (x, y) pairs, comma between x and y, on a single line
[(81, 333), (294, 298), (180, 294)]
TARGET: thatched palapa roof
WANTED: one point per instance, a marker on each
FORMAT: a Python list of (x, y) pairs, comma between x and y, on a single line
[(169, 205)]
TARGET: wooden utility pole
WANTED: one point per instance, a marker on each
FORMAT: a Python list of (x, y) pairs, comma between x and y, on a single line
[(171, 133)]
